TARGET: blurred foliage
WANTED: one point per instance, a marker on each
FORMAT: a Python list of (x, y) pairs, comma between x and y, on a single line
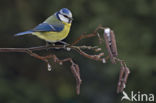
[(24, 79)]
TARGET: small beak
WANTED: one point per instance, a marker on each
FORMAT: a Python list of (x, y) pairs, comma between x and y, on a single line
[(70, 18)]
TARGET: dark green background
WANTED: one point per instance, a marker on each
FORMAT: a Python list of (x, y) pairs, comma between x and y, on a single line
[(24, 79)]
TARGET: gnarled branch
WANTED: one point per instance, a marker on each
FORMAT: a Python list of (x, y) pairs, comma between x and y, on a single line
[(110, 43)]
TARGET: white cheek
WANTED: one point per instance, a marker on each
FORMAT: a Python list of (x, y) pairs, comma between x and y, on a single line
[(63, 18)]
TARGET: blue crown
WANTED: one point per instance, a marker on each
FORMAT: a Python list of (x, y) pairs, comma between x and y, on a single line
[(66, 11)]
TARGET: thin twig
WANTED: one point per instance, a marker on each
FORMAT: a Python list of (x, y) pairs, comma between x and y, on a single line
[(74, 67), (110, 43)]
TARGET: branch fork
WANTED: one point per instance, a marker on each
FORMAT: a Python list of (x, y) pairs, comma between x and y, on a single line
[(110, 42)]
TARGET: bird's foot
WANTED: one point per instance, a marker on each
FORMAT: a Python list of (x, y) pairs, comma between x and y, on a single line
[(65, 45)]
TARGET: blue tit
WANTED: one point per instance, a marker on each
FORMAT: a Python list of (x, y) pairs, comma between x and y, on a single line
[(54, 29)]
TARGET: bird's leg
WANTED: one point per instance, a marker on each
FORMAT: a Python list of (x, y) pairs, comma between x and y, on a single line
[(64, 43), (48, 44)]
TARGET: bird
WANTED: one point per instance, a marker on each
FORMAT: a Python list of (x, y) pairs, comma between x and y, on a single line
[(54, 29)]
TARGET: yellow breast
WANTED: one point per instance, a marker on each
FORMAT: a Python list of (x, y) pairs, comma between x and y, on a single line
[(54, 36)]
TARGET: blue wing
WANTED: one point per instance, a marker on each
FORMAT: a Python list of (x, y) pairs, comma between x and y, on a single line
[(47, 27), (43, 27)]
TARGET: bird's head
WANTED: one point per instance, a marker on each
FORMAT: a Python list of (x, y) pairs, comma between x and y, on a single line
[(65, 15)]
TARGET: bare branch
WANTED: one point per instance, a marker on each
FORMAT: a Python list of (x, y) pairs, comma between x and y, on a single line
[(110, 43), (74, 67), (113, 44)]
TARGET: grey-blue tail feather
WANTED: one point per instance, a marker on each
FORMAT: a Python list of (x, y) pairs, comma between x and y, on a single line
[(23, 33)]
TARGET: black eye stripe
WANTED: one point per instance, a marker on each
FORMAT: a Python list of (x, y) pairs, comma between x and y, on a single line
[(65, 16)]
